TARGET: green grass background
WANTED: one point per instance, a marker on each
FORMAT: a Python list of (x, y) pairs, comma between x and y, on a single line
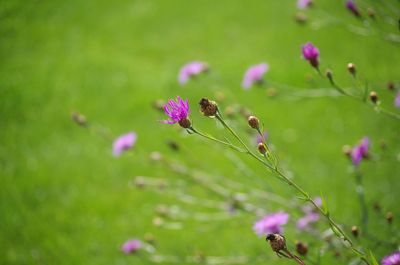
[(65, 200)]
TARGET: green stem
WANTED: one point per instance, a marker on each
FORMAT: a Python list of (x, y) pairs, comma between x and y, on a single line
[(307, 197), (217, 140), (363, 204)]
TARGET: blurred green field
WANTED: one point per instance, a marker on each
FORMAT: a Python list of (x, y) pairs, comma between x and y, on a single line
[(66, 200)]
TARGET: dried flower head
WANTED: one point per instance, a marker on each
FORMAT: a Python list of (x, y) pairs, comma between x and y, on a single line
[(191, 69), (354, 231), (277, 242), (209, 108), (351, 67), (178, 112), (311, 54), (389, 217), (261, 148), (254, 75), (123, 143), (301, 248), (373, 96), (254, 122)]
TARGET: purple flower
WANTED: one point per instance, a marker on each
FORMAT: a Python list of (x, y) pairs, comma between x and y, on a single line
[(397, 100), (124, 142), (191, 69), (131, 246), (302, 4), (309, 208), (304, 222), (259, 139), (350, 5), (271, 223), (254, 75), (360, 151), (311, 54), (177, 111), (392, 259)]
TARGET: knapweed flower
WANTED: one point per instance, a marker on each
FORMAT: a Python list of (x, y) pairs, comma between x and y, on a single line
[(191, 69), (350, 5), (392, 259), (360, 151), (304, 222), (178, 111), (131, 246), (302, 4), (254, 75), (123, 143), (271, 223), (311, 54), (397, 100)]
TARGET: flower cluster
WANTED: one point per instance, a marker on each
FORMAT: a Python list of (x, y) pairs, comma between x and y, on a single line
[(360, 151), (178, 112)]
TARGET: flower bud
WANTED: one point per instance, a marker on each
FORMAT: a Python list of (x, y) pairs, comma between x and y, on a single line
[(79, 119), (253, 122), (346, 150), (373, 96), (354, 231), (329, 75), (185, 123), (300, 18), (352, 68), (390, 86), (389, 217), (377, 207), (301, 248), (261, 148), (276, 241), (209, 108), (371, 12)]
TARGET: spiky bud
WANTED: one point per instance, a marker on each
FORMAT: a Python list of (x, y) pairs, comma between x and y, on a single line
[(261, 148), (354, 231), (209, 108), (373, 96), (301, 248), (352, 68), (329, 75), (276, 241), (253, 122), (389, 217)]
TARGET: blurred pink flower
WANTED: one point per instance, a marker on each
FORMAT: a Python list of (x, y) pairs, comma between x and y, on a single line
[(191, 69), (271, 223), (302, 4), (131, 246), (124, 142), (254, 74), (311, 54), (392, 259), (350, 5), (360, 151), (397, 100), (259, 139), (304, 222)]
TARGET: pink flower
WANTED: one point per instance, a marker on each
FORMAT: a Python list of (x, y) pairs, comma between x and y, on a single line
[(254, 75), (177, 110), (124, 142), (304, 222), (271, 223), (350, 5), (360, 151), (397, 100), (311, 54), (302, 4), (131, 246), (392, 259), (191, 69)]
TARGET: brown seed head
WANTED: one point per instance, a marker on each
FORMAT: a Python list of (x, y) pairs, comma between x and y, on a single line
[(354, 231), (389, 217), (301, 248), (373, 96), (253, 122), (261, 148), (352, 68), (209, 108), (277, 242)]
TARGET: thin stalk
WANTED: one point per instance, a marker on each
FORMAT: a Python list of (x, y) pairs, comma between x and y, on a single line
[(307, 197), (363, 204)]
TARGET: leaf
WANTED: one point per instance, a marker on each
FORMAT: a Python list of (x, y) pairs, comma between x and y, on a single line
[(372, 258)]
